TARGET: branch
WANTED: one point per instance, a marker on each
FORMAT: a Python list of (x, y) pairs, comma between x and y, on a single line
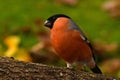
[(11, 69)]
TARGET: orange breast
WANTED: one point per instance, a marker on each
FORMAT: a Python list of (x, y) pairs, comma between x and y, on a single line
[(68, 44)]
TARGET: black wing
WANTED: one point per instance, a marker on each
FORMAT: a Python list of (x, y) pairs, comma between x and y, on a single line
[(74, 26)]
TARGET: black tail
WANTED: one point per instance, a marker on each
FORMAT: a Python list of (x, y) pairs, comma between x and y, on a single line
[(96, 69)]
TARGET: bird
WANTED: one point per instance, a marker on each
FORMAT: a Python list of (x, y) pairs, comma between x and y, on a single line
[(70, 42)]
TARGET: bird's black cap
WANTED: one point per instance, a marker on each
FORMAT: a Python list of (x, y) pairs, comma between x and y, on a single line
[(50, 21)]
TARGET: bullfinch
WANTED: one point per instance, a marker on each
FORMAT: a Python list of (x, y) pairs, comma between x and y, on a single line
[(70, 43)]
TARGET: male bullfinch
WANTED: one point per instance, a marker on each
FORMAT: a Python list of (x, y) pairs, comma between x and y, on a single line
[(70, 42)]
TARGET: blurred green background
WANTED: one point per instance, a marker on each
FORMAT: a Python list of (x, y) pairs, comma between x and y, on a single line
[(22, 33)]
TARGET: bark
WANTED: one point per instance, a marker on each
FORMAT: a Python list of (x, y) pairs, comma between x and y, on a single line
[(11, 69)]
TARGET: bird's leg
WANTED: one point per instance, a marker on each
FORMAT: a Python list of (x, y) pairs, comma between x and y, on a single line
[(84, 68), (69, 65)]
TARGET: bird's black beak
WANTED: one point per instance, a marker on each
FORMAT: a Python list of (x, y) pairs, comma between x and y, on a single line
[(47, 23)]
